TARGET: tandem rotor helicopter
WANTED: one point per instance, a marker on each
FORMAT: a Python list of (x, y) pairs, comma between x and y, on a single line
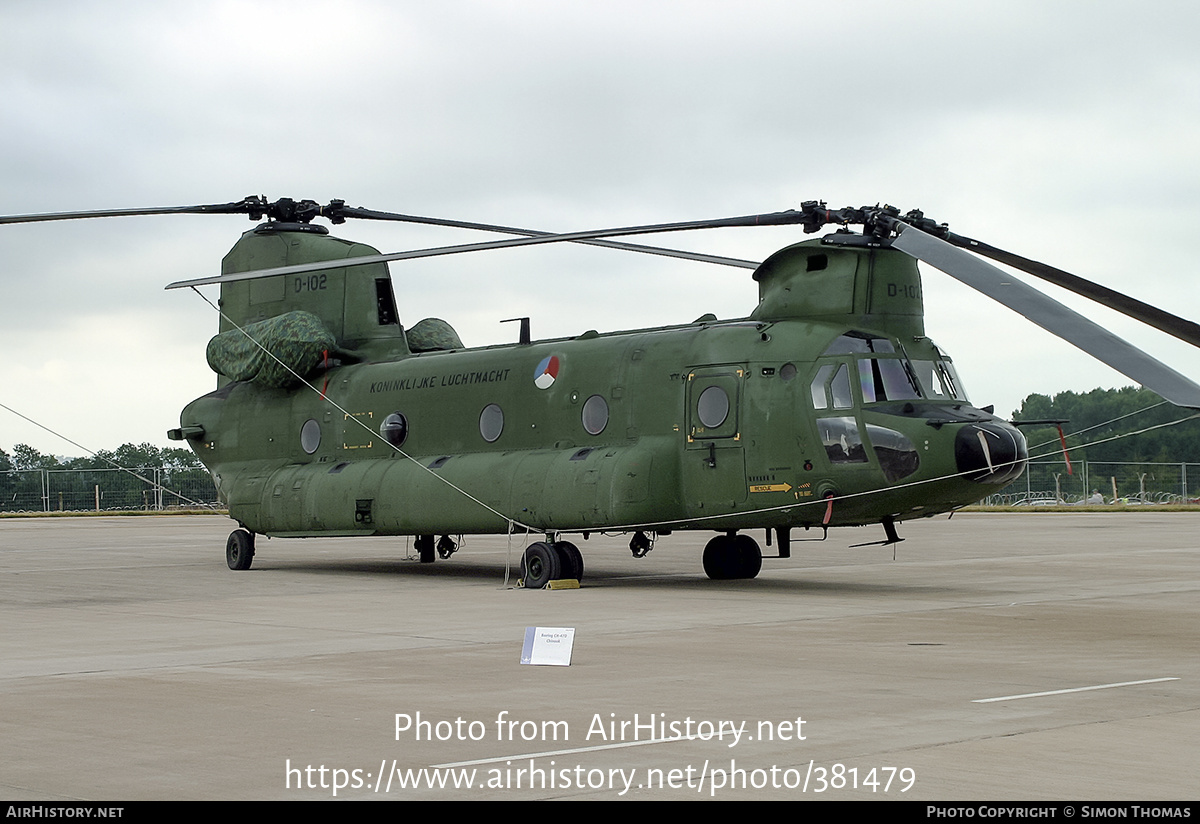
[(827, 406)]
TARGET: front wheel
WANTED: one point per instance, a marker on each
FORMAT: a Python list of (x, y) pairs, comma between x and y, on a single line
[(730, 557), (749, 556), (720, 558)]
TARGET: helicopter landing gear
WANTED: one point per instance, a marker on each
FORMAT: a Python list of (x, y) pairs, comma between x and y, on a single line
[(239, 549), (544, 562), (446, 546), (424, 546), (732, 556), (540, 565), (570, 559), (640, 544)]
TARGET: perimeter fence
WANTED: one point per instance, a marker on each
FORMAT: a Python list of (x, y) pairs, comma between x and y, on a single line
[(1046, 483), (76, 490)]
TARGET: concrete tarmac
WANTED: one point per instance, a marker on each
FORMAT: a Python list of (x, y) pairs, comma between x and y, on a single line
[(996, 657)]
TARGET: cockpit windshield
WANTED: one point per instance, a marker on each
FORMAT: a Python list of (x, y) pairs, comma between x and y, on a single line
[(894, 377), (937, 379), (887, 379)]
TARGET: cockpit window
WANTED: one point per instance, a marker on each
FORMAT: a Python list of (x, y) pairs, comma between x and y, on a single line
[(853, 343), (897, 456), (842, 442), (847, 345), (842, 399), (931, 381), (939, 380), (880, 379), (820, 397), (886, 379), (950, 376), (829, 386)]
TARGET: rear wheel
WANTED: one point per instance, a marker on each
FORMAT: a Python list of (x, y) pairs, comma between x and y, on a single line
[(239, 549), (539, 565), (570, 560)]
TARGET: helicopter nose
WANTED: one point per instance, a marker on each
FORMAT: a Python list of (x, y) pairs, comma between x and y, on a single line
[(990, 453)]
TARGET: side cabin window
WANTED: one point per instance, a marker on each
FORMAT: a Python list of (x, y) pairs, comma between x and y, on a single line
[(713, 398)]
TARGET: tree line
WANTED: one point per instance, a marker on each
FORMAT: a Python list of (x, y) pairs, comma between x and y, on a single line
[(127, 455), (1098, 422)]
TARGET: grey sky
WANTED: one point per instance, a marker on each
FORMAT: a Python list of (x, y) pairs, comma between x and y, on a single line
[(1061, 131)]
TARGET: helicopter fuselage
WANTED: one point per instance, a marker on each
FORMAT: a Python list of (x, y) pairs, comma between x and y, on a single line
[(826, 407), (715, 425)]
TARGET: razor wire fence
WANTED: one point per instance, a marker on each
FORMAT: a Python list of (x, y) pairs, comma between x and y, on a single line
[(100, 490), (1046, 483)]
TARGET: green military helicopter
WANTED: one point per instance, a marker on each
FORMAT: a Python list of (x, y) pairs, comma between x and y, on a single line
[(827, 406)]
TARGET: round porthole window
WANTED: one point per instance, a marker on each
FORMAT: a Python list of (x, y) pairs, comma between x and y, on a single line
[(491, 422), (595, 415), (394, 429), (713, 407), (310, 436), (787, 371)]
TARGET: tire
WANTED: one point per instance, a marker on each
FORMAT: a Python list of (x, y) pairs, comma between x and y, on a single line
[(239, 549), (570, 560), (425, 548), (749, 556), (729, 557), (539, 565), (720, 558)]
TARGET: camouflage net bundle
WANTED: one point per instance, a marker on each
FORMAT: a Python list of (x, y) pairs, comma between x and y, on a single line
[(433, 335), (298, 339)]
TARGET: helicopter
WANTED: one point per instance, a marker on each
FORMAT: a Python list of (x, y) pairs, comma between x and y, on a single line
[(827, 406)]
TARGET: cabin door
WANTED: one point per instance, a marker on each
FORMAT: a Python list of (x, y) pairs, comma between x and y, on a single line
[(714, 463)]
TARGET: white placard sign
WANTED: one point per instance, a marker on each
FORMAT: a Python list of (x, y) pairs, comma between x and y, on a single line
[(548, 646)]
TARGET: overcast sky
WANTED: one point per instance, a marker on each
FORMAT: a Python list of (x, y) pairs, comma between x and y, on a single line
[(1066, 132)]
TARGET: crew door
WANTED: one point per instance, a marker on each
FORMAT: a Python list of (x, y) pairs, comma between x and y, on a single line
[(714, 470)]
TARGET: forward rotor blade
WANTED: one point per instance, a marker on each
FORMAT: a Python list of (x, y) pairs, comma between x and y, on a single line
[(370, 214), (1173, 325), (1051, 316), (215, 208), (771, 219)]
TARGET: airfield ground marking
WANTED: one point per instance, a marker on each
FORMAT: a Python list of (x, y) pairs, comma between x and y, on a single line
[(1073, 689), (548, 753)]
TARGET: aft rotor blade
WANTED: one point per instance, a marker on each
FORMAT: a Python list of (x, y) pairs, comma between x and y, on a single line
[(1050, 315), (370, 214), (771, 219), (215, 208), (1173, 325)]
